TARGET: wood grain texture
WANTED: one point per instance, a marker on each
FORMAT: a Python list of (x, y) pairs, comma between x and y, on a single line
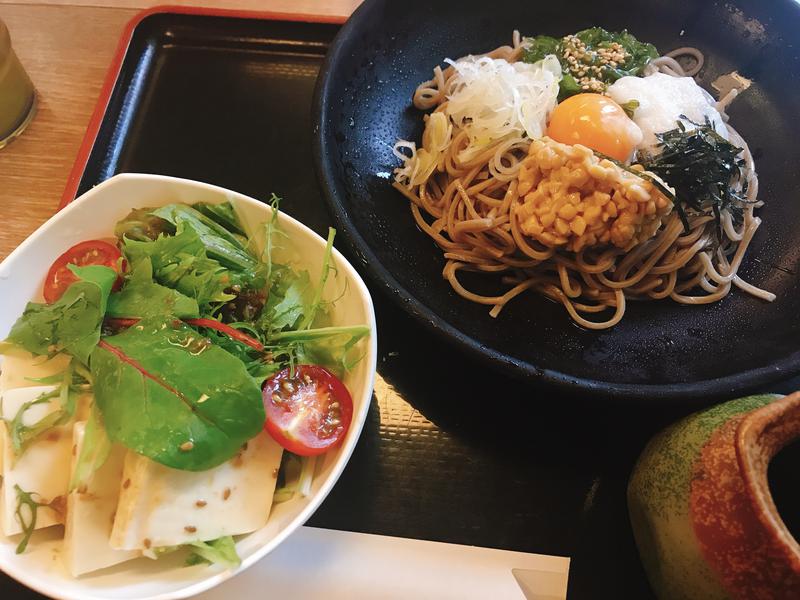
[(313, 7), (66, 47), (66, 51)]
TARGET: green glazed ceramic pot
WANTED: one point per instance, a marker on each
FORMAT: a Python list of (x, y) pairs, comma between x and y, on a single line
[(700, 506)]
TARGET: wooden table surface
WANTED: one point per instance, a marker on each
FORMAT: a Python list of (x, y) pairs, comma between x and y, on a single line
[(66, 47)]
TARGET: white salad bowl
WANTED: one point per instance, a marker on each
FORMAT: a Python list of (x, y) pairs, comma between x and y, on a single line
[(92, 216)]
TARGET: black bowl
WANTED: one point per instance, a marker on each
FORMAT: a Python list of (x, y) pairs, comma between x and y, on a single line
[(661, 350)]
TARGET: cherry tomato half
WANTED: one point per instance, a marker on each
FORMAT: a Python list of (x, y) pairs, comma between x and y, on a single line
[(308, 412), (91, 252)]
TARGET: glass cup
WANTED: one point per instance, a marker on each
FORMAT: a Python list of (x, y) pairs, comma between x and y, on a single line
[(17, 95)]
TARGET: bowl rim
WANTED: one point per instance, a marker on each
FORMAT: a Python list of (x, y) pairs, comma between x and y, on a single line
[(696, 393), (39, 583)]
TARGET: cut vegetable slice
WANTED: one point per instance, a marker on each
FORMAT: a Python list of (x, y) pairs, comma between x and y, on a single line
[(90, 514), (160, 506)]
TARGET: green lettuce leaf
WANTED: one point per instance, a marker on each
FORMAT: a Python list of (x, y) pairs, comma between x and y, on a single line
[(331, 347), (327, 267), (271, 232), (220, 551), (73, 322), (165, 392), (219, 243), (293, 302), (223, 214), (142, 297), (94, 450), (289, 299), (180, 261), (257, 363), (142, 225)]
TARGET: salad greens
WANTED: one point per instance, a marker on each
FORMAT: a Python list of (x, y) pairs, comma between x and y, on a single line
[(185, 395), (220, 551), (592, 58), (94, 451), (27, 519), (142, 225), (168, 393), (180, 262), (220, 244), (224, 215), (144, 297), (66, 397), (71, 324)]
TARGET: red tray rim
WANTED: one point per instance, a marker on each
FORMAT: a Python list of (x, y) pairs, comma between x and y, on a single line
[(89, 138)]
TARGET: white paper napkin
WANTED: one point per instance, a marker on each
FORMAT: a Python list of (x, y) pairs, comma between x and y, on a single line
[(342, 565)]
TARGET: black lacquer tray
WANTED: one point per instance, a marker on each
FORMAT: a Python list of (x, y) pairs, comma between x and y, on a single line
[(451, 451)]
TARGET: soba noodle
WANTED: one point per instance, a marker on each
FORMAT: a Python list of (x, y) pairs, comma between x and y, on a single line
[(469, 209)]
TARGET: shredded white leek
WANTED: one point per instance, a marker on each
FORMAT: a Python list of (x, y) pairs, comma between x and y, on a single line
[(491, 100)]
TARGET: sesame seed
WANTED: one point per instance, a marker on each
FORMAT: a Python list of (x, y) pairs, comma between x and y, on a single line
[(190, 529), (226, 494), (147, 542), (126, 484), (186, 446), (200, 503)]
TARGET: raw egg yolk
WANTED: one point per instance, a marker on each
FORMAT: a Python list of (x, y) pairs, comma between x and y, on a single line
[(596, 122)]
